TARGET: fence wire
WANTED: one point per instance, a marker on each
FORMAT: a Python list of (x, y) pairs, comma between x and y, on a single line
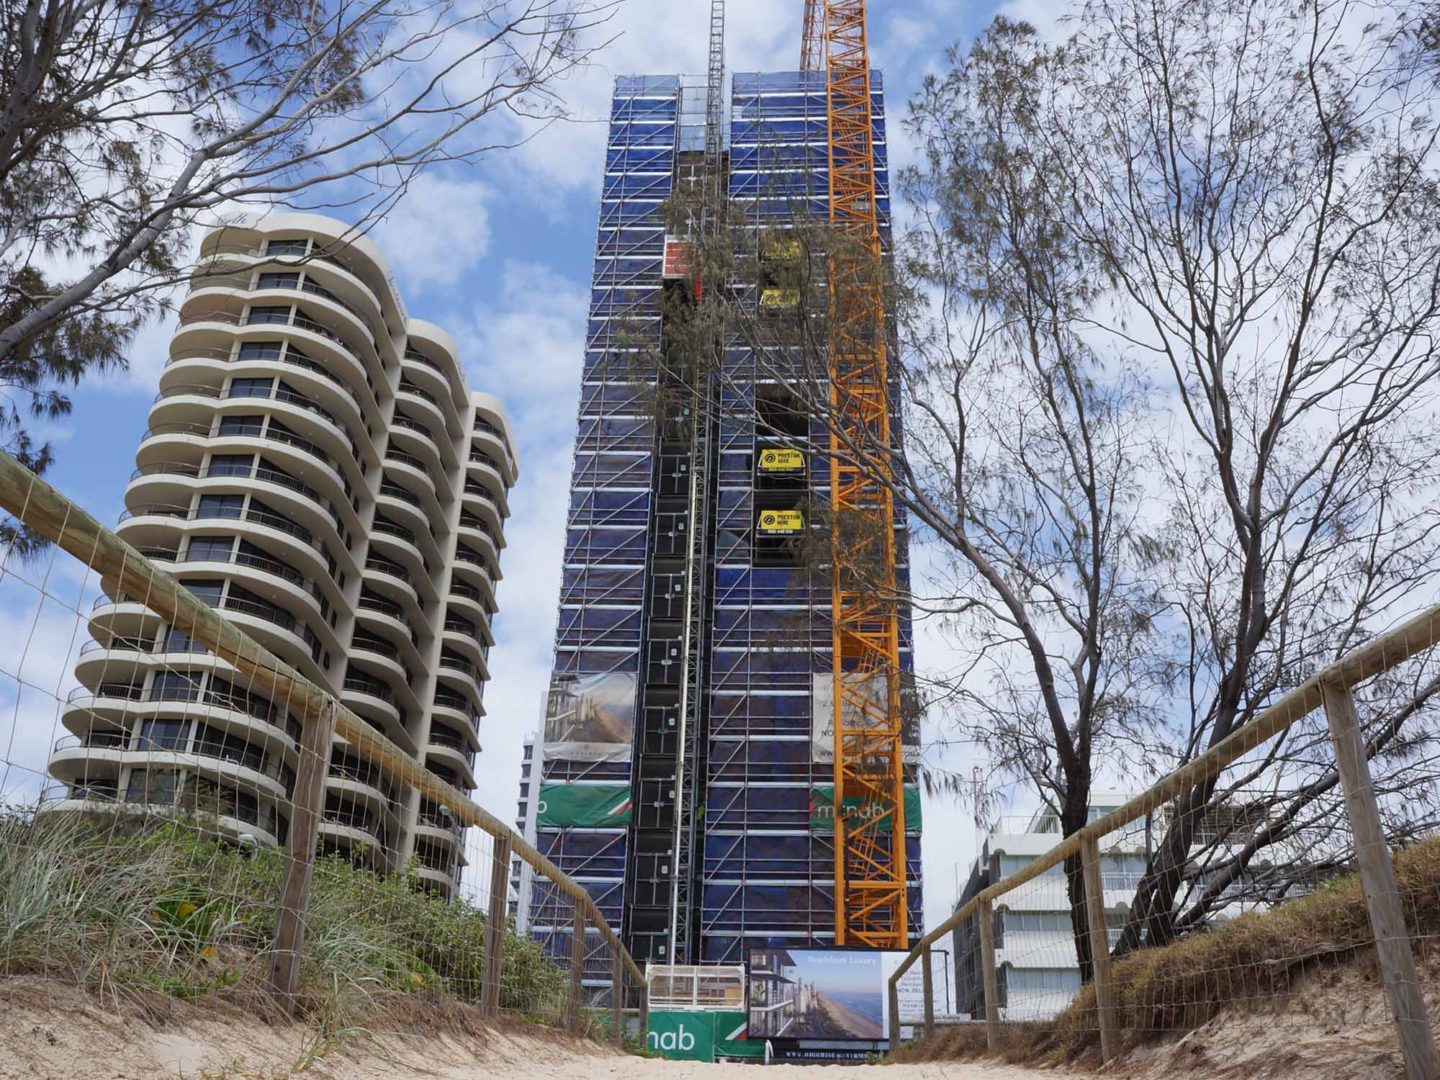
[(154, 795), (1305, 838)]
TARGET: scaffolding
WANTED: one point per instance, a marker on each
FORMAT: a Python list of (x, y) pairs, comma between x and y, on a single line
[(651, 495)]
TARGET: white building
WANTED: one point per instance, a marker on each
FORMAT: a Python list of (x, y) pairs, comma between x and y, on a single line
[(317, 468), (1037, 969)]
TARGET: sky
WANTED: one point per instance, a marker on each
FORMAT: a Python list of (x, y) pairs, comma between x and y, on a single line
[(498, 253)]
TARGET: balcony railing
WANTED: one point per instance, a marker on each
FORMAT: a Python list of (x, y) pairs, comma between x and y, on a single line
[(284, 356)]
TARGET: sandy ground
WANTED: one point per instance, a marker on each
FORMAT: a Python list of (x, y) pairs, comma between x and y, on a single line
[(49, 1031)]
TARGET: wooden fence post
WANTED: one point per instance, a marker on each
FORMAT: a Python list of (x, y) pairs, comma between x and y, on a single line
[(893, 993), (617, 998), (645, 1006), (927, 978), (577, 965), (1099, 946), (306, 805), (495, 927), (1382, 892), (991, 984)]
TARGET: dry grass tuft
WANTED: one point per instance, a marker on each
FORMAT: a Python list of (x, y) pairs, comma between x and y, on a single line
[(1243, 965)]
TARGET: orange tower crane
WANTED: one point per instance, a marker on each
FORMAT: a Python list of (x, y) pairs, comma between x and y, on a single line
[(870, 908)]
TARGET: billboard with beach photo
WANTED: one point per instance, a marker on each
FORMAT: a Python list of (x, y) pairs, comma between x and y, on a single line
[(832, 994)]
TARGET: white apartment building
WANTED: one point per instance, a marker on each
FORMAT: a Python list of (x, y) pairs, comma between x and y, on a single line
[(317, 468), (1037, 969)]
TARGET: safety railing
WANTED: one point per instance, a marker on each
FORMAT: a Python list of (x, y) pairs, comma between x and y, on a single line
[(1018, 942), (349, 804)]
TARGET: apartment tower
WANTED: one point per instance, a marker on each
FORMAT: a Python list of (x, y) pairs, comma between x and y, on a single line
[(316, 468), (686, 766)]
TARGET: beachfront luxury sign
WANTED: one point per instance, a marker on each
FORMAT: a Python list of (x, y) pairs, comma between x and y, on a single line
[(833, 994)]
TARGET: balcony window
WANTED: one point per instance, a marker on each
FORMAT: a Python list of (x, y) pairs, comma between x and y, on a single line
[(268, 315), (221, 506), (207, 591), (230, 465), (249, 426), (163, 735), (175, 686), (177, 641), (254, 388), (296, 245), (262, 350), (210, 548), (233, 748), (153, 786), (278, 281)]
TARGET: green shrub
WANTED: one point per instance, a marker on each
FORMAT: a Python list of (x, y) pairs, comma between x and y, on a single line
[(118, 901)]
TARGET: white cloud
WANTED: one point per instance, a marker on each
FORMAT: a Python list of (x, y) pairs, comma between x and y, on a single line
[(438, 232)]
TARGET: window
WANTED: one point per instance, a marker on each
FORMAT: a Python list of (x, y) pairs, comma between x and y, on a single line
[(175, 686), (231, 465), (278, 281), (268, 314), (163, 735), (262, 350), (153, 786), (259, 388), (234, 748), (1053, 979), (210, 548), (1035, 922), (221, 506), (179, 641), (252, 426), (207, 591), (290, 245)]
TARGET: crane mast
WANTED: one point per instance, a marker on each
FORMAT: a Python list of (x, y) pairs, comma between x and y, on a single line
[(870, 891)]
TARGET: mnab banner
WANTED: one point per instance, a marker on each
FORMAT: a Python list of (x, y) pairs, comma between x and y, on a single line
[(589, 805)]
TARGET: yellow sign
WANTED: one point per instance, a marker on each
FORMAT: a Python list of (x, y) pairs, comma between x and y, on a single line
[(778, 248), (781, 522), (781, 461), (779, 299)]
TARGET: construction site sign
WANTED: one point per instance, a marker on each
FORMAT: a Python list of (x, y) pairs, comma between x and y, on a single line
[(590, 717), (781, 460), (822, 808), (781, 522), (779, 299), (585, 805)]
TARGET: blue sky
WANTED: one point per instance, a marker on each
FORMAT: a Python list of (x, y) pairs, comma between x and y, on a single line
[(499, 254)]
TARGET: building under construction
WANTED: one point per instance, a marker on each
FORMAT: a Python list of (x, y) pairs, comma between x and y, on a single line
[(688, 764)]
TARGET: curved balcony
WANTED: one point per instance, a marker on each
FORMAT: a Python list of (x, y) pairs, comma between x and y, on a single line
[(172, 483), (195, 403), (217, 327), (343, 276), (417, 440), (485, 470), (391, 580), (153, 528), (373, 700), (478, 600), (455, 758), (456, 708), (397, 543), (439, 409), (197, 365)]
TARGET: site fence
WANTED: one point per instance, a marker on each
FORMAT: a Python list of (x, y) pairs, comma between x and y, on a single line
[(1273, 815), (182, 810)]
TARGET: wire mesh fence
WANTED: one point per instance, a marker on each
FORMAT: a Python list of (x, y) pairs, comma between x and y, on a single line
[(1294, 815), (183, 811)]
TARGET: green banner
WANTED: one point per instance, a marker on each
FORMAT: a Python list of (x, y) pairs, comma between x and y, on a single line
[(822, 808), (682, 1036), (730, 1041), (594, 805)]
